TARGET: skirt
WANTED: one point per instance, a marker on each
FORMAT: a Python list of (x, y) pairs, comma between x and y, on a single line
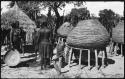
[(45, 51)]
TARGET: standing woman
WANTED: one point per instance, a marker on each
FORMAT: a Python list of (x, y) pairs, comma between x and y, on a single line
[(15, 38), (45, 45)]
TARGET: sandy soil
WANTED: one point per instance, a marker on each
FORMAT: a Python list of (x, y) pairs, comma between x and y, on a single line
[(26, 69)]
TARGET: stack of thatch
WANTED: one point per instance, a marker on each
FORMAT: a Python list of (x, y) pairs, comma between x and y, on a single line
[(88, 34), (65, 29), (16, 14), (118, 33)]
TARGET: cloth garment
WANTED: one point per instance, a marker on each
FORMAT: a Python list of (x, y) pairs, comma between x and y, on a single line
[(45, 46)]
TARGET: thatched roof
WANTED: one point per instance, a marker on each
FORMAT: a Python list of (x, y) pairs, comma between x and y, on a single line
[(118, 33), (15, 13), (88, 34), (65, 29)]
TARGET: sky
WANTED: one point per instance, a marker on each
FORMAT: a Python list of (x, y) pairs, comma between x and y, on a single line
[(94, 7)]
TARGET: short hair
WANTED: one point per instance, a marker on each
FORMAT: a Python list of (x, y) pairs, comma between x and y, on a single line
[(44, 24), (15, 24)]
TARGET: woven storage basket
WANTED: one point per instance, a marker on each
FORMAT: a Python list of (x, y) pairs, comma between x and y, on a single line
[(88, 34), (118, 33), (64, 29), (12, 58)]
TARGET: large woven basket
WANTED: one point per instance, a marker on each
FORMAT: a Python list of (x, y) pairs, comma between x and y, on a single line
[(88, 34), (12, 58), (65, 29), (118, 33)]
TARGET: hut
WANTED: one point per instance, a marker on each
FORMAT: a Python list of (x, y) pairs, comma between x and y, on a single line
[(12, 57), (88, 34), (16, 14), (118, 33)]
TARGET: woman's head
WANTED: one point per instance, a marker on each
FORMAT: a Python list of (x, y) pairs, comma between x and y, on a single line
[(43, 24), (15, 24)]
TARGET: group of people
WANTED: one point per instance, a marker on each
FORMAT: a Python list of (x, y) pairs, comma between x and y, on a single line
[(42, 41)]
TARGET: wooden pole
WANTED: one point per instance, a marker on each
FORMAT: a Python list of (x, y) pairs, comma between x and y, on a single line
[(60, 63), (121, 50), (103, 58), (80, 58), (58, 40), (96, 59), (88, 58), (70, 53)]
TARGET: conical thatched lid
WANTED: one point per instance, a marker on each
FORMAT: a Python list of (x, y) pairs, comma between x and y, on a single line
[(65, 29), (88, 34), (17, 14), (118, 33)]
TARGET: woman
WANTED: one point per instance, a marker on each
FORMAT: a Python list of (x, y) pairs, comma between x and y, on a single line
[(15, 37), (45, 46)]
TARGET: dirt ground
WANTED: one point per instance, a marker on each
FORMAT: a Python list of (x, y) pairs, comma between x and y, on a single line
[(26, 69)]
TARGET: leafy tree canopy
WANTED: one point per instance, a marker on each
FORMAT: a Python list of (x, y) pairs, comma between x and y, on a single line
[(109, 19)]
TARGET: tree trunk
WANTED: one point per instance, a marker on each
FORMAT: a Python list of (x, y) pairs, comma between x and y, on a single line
[(57, 20), (49, 12)]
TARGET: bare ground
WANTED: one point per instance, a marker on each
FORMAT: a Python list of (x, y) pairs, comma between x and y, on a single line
[(26, 70)]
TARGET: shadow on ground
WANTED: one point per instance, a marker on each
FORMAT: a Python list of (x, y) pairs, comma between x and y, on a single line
[(92, 62)]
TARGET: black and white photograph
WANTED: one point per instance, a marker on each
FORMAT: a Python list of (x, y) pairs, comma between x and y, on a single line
[(62, 39)]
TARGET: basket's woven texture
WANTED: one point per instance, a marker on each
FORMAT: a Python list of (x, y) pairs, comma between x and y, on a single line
[(12, 58), (118, 33), (88, 34), (16, 14), (65, 29)]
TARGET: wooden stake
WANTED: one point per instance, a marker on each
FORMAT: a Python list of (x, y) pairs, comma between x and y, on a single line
[(70, 53), (96, 58), (103, 57), (62, 39), (66, 52), (60, 63), (89, 58), (80, 58), (58, 40), (121, 50)]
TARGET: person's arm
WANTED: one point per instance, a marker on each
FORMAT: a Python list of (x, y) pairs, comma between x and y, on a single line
[(37, 38), (11, 39), (23, 36), (51, 37), (11, 36)]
